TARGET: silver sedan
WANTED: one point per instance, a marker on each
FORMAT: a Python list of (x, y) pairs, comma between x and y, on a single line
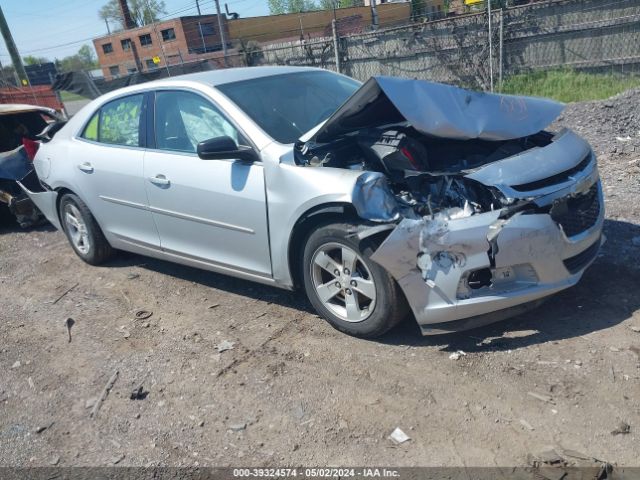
[(378, 199)]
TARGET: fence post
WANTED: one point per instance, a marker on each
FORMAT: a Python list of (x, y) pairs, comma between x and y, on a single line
[(490, 45), (501, 53), (335, 44)]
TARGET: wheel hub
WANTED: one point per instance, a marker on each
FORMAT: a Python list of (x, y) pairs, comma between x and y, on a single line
[(343, 282)]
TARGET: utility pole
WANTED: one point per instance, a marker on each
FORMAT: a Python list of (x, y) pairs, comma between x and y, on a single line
[(106, 22), (490, 45), (501, 53), (223, 38), (374, 15), (336, 45), (128, 23), (198, 7), (13, 51)]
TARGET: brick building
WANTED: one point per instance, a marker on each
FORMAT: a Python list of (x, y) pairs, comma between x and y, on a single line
[(178, 40)]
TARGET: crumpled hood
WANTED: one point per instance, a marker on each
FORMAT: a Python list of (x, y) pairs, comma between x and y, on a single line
[(439, 110)]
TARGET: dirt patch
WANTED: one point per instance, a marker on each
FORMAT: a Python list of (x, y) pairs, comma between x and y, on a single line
[(226, 372)]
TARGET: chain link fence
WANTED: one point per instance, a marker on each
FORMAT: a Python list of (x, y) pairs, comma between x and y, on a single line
[(593, 35)]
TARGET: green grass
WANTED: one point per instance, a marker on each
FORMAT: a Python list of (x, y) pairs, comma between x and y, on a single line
[(70, 97), (569, 85)]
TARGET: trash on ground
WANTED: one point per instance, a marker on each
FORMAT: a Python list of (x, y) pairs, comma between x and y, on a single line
[(526, 424), (225, 345), (64, 294), (540, 396), (550, 457), (139, 393), (105, 391), (42, 428), (132, 276), (398, 436), (16, 364), (69, 322), (143, 314), (576, 454), (237, 427), (457, 355), (622, 429)]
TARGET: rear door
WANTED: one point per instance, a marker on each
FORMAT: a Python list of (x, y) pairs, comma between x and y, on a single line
[(208, 210), (109, 167)]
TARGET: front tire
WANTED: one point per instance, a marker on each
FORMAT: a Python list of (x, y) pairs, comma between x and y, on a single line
[(82, 230), (352, 292)]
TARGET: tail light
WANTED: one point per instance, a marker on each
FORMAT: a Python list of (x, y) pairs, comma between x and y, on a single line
[(30, 147)]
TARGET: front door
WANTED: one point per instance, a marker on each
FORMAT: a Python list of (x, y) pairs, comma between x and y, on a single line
[(208, 210)]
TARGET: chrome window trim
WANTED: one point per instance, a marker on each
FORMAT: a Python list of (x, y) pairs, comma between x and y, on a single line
[(225, 114), (79, 132)]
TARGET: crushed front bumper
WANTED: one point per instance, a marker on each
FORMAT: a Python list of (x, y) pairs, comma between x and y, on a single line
[(466, 272)]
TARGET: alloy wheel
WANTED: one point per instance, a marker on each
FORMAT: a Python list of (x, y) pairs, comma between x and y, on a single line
[(343, 282), (77, 228)]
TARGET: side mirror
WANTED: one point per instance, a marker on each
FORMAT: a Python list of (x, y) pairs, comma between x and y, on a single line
[(225, 148)]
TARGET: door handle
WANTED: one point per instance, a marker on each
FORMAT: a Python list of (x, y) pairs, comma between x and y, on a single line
[(86, 167), (160, 180)]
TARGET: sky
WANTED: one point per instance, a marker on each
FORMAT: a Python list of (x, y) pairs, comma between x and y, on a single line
[(58, 28)]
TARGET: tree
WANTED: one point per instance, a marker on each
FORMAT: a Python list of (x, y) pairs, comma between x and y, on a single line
[(331, 4), (278, 7), (87, 55), (31, 60), (85, 59), (143, 12)]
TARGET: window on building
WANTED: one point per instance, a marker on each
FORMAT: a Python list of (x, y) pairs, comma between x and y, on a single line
[(126, 44), (207, 29), (107, 48), (117, 123), (114, 70), (150, 64), (145, 39), (168, 34)]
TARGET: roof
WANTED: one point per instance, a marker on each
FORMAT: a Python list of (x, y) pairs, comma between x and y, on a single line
[(8, 108), (230, 75)]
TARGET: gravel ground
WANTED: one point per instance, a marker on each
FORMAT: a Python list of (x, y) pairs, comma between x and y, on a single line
[(294, 391)]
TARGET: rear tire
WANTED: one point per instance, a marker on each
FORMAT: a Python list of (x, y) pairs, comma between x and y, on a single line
[(82, 230), (352, 292)]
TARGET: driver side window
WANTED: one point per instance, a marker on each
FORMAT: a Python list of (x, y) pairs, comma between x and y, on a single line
[(183, 119)]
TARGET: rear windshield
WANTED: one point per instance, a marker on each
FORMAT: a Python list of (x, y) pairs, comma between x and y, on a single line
[(288, 105)]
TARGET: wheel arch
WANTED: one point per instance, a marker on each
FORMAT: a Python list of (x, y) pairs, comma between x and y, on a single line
[(338, 211), (61, 192)]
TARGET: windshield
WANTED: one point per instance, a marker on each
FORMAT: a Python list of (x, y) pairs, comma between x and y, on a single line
[(287, 106)]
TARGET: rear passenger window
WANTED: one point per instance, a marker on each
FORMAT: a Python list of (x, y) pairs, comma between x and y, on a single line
[(91, 130), (117, 122)]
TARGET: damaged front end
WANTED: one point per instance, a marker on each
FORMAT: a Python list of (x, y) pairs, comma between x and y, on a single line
[(491, 213)]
